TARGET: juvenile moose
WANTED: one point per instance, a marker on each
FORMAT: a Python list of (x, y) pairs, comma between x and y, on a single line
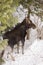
[(18, 33)]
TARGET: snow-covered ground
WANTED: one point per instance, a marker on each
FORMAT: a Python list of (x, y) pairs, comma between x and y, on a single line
[(33, 49), (33, 54)]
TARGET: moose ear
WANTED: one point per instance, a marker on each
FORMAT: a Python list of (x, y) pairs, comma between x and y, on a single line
[(27, 20), (30, 21)]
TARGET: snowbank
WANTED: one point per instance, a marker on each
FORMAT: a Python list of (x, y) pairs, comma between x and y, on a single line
[(33, 55)]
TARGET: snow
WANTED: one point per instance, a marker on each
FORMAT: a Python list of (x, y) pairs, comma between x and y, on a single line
[(33, 49), (21, 13), (33, 55)]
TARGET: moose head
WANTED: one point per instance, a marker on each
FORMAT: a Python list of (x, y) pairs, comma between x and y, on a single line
[(29, 23)]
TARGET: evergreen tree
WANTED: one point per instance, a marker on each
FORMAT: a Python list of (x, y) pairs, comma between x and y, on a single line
[(36, 4), (7, 7)]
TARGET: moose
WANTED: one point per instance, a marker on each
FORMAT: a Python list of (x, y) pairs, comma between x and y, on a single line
[(18, 34)]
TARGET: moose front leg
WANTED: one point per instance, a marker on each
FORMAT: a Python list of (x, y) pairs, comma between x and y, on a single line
[(28, 34), (23, 46), (17, 47)]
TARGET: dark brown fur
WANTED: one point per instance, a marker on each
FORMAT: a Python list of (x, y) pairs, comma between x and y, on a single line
[(18, 33)]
